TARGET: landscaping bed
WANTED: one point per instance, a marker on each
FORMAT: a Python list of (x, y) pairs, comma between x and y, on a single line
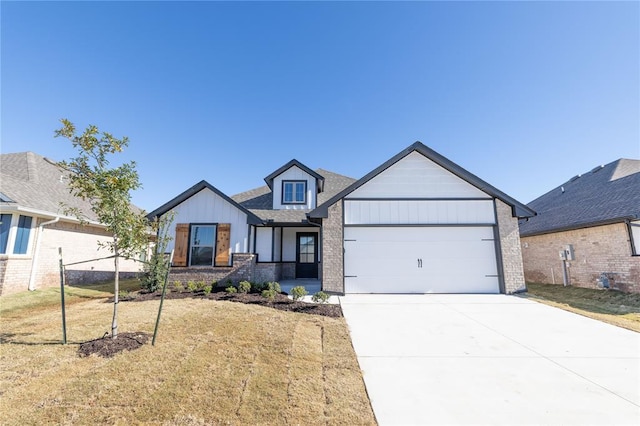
[(281, 301)]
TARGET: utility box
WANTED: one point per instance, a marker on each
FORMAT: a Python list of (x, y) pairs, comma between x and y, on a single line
[(562, 254), (570, 255)]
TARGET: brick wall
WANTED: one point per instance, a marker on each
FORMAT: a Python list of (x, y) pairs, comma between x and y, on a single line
[(333, 250), (597, 249), (510, 247), (244, 267), (78, 243)]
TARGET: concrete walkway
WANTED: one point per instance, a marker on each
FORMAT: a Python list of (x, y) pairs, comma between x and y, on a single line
[(491, 359)]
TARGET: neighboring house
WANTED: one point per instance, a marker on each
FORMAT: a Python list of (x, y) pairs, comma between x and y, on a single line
[(596, 218), (417, 224), (33, 228)]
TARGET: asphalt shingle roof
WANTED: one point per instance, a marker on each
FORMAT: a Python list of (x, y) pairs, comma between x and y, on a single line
[(259, 200), (606, 194), (34, 182)]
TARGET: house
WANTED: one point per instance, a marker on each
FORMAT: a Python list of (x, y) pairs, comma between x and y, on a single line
[(33, 229), (416, 224), (594, 220)]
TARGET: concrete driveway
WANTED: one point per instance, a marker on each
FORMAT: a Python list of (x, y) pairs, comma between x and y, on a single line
[(491, 359)]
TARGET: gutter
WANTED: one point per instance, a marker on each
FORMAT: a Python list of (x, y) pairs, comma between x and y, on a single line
[(34, 263)]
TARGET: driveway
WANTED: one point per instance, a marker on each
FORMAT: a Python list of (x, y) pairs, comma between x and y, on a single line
[(491, 359)]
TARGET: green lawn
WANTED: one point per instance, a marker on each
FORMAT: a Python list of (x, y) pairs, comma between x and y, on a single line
[(611, 306)]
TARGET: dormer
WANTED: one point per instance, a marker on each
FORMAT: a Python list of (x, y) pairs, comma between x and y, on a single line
[(295, 187)]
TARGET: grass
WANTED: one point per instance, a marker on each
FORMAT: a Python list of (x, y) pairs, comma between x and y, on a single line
[(213, 363), (610, 306)]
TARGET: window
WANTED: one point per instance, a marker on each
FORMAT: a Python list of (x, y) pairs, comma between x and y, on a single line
[(634, 231), (22, 236), (203, 238), (294, 192), (5, 225)]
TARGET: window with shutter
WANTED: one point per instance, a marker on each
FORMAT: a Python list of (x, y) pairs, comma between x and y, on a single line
[(181, 246)]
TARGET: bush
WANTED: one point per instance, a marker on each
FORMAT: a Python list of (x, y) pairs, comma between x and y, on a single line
[(275, 286), (125, 295), (207, 289), (259, 287), (191, 285), (298, 292), (320, 297), (244, 287), (231, 289), (269, 294), (177, 286), (201, 285)]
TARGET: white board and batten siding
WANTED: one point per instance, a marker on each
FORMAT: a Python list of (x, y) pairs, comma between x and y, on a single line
[(294, 173), (418, 228), (208, 207)]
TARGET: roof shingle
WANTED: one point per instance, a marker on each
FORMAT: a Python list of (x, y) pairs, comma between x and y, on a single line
[(606, 194)]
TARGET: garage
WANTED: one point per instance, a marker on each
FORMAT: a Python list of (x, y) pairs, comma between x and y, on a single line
[(427, 259), (420, 223)]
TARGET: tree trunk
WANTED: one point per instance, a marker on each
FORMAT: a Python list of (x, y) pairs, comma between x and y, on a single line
[(116, 290)]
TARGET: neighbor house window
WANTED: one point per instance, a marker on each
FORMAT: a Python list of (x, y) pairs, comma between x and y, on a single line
[(5, 225), (22, 235), (294, 192), (634, 231), (203, 239)]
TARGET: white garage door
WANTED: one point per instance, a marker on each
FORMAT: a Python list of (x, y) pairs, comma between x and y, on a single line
[(453, 259)]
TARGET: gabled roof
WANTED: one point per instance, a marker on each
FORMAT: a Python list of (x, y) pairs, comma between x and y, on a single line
[(606, 194), (319, 179), (30, 182), (260, 200), (518, 209), (251, 218)]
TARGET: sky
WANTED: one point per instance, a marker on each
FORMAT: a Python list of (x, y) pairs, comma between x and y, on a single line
[(525, 95)]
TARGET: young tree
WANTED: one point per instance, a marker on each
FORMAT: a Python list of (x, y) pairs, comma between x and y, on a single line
[(108, 190)]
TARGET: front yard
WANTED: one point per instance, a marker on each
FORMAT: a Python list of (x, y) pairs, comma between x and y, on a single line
[(611, 306), (215, 362)]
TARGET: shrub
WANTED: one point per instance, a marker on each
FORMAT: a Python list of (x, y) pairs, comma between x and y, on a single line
[(298, 292), (259, 287), (320, 297), (275, 286), (269, 294), (191, 285), (177, 285), (207, 289), (123, 294), (244, 287), (231, 289)]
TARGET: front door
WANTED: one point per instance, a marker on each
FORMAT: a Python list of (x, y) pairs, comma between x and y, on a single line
[(306, 255)]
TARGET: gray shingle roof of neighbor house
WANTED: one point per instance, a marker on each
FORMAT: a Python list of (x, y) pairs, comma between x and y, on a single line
[(606, 194), (30, 181), (251, 218), (260, 200), (518, 209)]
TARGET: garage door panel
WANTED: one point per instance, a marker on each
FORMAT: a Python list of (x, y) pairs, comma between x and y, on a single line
[(420, 260)]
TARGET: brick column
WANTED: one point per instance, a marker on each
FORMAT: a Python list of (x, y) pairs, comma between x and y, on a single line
[(333, 250), (510, 247)]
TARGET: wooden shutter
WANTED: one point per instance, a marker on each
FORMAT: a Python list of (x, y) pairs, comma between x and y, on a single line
[(222, 244), (181, 246)]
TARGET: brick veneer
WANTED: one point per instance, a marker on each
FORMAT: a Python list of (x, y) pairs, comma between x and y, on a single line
[(333, 250), (510, 248), (597, 249), (78, 243)]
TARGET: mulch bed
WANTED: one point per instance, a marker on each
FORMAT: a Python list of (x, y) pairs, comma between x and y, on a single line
[(108, 347), (281, 302)]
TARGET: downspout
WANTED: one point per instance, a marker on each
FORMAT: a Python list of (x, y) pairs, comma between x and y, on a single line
[(34, 263)]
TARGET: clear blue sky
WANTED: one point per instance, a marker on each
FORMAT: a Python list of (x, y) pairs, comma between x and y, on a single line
[(523, 94)]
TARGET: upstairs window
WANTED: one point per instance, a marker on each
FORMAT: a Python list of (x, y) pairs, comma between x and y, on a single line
[(294, 192), (22, 236)]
